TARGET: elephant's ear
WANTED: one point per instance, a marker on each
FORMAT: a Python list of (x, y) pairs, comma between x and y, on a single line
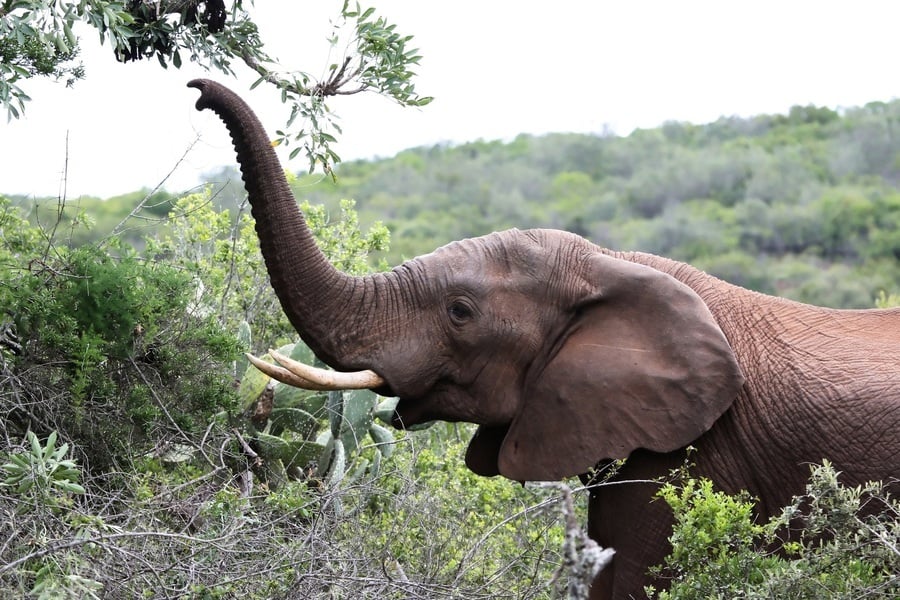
[(642, 364)]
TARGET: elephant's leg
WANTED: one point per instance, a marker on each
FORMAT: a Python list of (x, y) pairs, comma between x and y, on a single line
[(623, 515)]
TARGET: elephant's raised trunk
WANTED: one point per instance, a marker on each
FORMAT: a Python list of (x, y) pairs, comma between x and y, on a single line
[(312, 292)]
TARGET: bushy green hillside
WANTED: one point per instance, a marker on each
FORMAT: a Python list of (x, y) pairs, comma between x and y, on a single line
[(803, 205)]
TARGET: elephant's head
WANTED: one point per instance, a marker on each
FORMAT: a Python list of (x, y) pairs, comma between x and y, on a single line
[(563, 353)]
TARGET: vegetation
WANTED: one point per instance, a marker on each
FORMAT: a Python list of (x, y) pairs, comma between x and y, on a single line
[(804, 205), (837, 546), (134, 431), (38, 39)]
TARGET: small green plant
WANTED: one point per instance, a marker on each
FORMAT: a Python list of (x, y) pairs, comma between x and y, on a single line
[(52, 583), (837, 546), (42, 475)]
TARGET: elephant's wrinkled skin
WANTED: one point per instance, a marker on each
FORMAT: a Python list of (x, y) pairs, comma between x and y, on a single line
[(567, 354)]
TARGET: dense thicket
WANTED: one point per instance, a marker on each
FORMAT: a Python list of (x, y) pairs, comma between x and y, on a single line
[(132, 426)]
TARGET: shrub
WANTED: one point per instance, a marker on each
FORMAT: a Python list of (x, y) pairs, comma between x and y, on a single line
[(132, 359), (220, 251), (839, 547), (110, 354), (424, 528), (125, 353), (443, 525)]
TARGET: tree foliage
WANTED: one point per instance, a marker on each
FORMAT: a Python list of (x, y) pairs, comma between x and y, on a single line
[(37, 38)]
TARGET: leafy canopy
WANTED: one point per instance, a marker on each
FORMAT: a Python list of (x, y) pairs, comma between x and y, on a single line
[(38, 39)]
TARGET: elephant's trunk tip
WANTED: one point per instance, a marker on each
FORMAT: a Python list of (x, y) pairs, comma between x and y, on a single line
[(204, 86)]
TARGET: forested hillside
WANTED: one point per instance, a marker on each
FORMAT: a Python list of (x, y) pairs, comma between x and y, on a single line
[(803, 205)]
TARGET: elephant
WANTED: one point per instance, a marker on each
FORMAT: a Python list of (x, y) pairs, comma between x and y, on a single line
[(568, 355)]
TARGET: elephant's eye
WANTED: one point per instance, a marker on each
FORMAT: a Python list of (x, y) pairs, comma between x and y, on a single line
[(459, 312)]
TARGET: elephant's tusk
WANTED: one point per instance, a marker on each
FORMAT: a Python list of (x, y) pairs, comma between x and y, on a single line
[(330, 380), (299, 375), (279, 373)]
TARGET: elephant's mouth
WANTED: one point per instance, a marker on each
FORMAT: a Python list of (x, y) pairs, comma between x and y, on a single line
[(405, 414), (441, 401), (410, 412)]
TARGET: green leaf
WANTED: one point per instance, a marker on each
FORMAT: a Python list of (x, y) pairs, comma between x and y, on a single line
[(302, 353), (270, 446), (375, 470), (61, 45), (357, 417), (338, 464), (18, 460), (70, 36), (296, 420), (385, 410), (61, 452), (334, 405), (299, 453), (311, 401), (36, 450), (384, 439), (69, 486), (253, 384), (287, 350)]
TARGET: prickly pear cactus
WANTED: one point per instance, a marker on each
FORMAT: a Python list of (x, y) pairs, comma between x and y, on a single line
[(330, 436)]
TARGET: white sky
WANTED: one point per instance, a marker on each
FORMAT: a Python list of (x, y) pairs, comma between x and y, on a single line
[(496, 68)]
